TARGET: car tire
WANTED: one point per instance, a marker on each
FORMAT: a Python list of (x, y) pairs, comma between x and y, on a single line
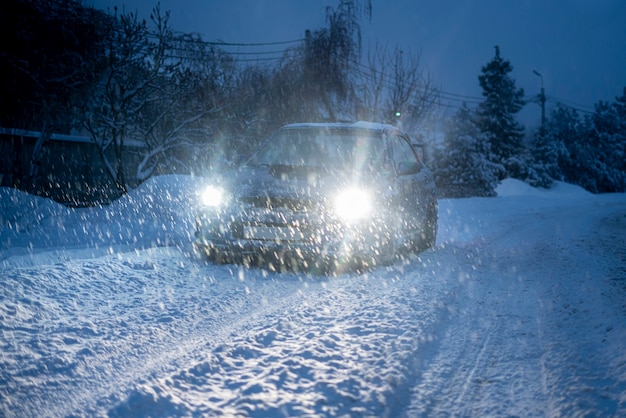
[(429, 235), (388, 251), (214, 257)]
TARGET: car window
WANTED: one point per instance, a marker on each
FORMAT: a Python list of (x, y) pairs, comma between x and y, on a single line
[(321, 148), (401, 150)]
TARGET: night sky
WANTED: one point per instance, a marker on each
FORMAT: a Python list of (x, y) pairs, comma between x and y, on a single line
[(578, 46)]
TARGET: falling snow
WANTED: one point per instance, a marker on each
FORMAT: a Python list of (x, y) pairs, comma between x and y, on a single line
[(519, 310)]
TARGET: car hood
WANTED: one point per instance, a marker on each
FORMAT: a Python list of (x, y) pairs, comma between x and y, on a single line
[(291, 182)]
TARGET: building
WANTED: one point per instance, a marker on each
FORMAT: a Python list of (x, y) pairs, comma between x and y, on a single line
[(70, 169)]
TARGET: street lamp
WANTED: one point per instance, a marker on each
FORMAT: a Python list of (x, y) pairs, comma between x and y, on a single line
[(542, 100)]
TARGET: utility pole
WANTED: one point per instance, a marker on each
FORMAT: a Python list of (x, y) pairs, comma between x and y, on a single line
[(542, 100), (307, 43)]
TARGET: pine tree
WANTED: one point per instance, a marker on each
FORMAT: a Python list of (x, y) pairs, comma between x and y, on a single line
[(549, 153), (577, 155), (609, 140), (497, 115), (463, 167), (620, 133)]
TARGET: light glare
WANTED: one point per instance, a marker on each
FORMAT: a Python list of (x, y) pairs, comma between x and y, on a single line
[(213, 196), (353, 204)]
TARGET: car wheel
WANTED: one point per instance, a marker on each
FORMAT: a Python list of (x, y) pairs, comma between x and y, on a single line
[(429, 234), (214, 257), (388, 251), (198, 253)]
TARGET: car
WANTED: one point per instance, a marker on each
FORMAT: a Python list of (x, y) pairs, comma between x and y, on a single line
[(322, 196)]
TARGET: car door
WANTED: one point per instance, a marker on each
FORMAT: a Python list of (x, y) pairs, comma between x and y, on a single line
[(409, 179)]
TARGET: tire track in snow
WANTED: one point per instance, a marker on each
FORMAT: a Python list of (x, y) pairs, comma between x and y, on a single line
[(511, 349), (345, 346), (140, 318), (469, 379)]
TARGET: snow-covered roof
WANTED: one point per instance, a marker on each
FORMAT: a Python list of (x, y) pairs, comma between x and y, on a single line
[(53, 137), (371, 126), (78, 139)]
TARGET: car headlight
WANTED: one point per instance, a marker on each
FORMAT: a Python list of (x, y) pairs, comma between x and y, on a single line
[(213, 196), (353, 204)]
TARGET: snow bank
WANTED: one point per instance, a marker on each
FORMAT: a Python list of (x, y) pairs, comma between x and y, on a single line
[(20, 211), (160, 212), (160, 196), (512, 187)]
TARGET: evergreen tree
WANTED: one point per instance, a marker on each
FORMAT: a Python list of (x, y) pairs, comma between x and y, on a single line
[(620, 133), (608, 137), (549, 153), (577, 155), (463, 169), (497, 115)]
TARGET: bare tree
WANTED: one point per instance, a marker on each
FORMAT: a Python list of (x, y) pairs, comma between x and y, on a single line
[(395, 88), (116, 99), (139, 96), (374, 85), (331, 53), (189, 105)]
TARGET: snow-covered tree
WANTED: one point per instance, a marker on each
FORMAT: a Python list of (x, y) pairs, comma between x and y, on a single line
[(619, 134), (503, 100), (189, 106), (116, 99), (583, 151), (462, 167), (145, 94), (549, 152), (312, 81), (608, 136), (564, 148)]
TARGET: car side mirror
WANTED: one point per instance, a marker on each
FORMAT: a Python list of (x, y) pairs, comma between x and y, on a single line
[(407, 168)]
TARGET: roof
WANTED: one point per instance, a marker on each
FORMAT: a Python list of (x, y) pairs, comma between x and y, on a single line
[(370, 126), (78, 139)]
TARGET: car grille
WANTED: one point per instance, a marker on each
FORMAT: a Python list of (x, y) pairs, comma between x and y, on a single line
[(276, 219), (270, 232), (296, 205)]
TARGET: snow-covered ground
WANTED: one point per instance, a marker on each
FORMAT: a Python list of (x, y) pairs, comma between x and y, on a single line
[(520, 310)]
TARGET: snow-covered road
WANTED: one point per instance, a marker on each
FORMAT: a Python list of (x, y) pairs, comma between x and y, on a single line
[(539, 328), (520, 310)]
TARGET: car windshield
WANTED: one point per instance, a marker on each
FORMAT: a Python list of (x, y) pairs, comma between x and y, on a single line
[(331, 149)]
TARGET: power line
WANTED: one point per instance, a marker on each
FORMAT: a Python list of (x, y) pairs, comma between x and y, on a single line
[(449, 99), (262, 55), (259, 59), (236, 59), (462, 97), (256, 44), (561, 103), (242, 44), (459, 98), (572, 104), (282, 51)]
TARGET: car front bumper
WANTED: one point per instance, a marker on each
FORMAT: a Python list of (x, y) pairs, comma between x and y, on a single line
[(305, 245)]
